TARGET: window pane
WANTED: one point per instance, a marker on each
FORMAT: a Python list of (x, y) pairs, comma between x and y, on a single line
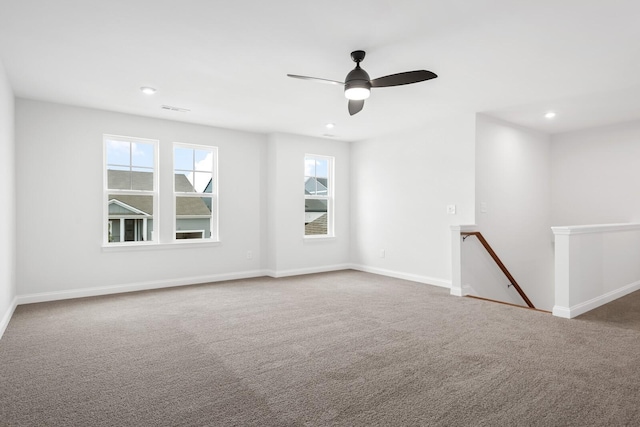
[(311, 186), (142, 179), (309, 166), (315, 217), (183, 183), (118, 178), (142, 154), (183, 158), (203, 160), (130, 218), (322, 187), (201, 181), (182, 235), (322, 168), (193, 182), (118, 152), (193, 170), (193, 214)]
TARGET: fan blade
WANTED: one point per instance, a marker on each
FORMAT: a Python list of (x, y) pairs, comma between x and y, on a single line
[(315, 79), (355, 106), (403, 78)]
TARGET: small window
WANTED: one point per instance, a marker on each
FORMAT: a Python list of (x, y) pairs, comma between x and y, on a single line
[(195, 191), (318, 196), (130, 189)]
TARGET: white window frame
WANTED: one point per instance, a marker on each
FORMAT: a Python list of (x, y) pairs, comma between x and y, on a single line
[(330, 197), (107, 224), (214, 195)]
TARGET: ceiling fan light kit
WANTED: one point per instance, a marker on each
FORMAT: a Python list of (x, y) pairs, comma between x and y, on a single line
[(357, 84)]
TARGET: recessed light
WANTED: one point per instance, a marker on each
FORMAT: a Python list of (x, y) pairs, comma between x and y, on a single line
[(148, 90), (550, 115), (330, 125)]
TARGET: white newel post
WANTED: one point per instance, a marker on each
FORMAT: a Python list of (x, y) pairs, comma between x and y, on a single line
[(562, 275)]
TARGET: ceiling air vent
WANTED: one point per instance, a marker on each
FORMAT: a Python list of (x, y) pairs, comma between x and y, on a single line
[(178, 109)]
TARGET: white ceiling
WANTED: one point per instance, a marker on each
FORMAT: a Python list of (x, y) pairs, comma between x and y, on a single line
[(227, 61)]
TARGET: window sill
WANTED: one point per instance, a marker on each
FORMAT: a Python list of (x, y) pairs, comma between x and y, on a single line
[(309, 239), (147, 246)]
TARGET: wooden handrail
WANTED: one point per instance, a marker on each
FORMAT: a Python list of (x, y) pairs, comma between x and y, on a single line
[(500, 264)]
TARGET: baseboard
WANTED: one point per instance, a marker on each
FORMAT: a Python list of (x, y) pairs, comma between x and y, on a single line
[(457, 292), (4, 322), (132, 287), (405, 276), (159, 284), (460, 292), (583, 307), (312, 270), (560, 311)]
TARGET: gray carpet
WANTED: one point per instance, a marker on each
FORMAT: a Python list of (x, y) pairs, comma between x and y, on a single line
[(335, 349)]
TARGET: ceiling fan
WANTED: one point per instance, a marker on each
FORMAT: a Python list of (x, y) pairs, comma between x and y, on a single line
[(357, 84)]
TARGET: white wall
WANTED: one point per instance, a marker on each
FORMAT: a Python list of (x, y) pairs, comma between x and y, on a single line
[(59, 167), (7, 202), (400, 186), (287, 251), (595, 175), (513, 167), (595, 264)]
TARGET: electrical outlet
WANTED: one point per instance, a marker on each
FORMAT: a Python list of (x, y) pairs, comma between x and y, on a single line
[(483, 207), (451, 209), (382, 253), (249, 255)]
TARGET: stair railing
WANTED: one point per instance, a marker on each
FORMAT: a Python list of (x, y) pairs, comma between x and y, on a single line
[(512, 281)]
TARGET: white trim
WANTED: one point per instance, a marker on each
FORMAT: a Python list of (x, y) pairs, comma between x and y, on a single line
[(150, 245), (317, 238), (132, 287), (463, 291), (4, 322), (583, 307), (443, 283), (561, 312), (160, 284), (311, 270), (457, 292), (596, 228)]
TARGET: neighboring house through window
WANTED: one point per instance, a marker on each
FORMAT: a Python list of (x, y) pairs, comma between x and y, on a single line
[(318, 196), (130, 189), (195, 191)]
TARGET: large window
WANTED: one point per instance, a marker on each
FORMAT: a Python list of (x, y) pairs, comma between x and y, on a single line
[(195, 192), (318, 196), (130, 190)]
